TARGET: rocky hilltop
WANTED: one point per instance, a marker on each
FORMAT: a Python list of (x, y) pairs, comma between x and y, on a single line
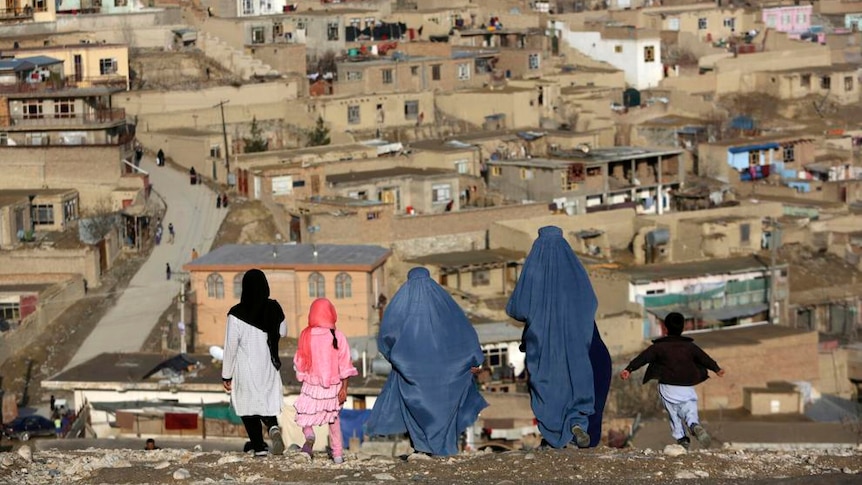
[(33, 465)]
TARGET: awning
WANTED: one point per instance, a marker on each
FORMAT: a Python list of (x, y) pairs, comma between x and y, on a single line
[(752, 148)]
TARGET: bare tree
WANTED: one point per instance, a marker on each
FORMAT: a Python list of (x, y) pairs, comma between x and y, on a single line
[(98, 221)]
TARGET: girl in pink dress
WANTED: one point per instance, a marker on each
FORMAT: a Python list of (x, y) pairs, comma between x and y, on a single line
[(323, 365)]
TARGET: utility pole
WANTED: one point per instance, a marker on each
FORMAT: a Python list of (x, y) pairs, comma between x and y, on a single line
[(224, 133), (774, 237)]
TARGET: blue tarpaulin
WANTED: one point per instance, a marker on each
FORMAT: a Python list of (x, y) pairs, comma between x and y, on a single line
[(353, 424)]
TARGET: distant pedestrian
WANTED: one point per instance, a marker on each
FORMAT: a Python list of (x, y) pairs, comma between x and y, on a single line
[(58, 425), (679, 365), (171, 233), (160, 158), (194, 254), (193, 176), (218, 201), (139, 153), (53, 400), (224, 200), (168, 270), (151, 445), (158, 235)]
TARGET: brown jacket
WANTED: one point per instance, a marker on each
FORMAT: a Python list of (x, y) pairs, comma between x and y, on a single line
[(674, 360)]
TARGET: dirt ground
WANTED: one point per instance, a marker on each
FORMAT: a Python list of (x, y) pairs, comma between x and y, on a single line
[(601, 465), (184, 69)]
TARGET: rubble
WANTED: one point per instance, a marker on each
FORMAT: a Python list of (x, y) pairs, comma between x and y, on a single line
[(139, 466)]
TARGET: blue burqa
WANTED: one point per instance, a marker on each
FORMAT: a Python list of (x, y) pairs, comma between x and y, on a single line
[(555, 299), (431, 345), (600, 359)]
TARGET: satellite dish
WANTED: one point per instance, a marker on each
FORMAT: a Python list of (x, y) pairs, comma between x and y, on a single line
[(217, 352)]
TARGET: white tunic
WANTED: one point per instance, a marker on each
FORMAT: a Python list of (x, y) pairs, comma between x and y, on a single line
[(256, 388)]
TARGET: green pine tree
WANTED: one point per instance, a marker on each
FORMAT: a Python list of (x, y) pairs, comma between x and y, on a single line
[(256, 143), (319, 135)]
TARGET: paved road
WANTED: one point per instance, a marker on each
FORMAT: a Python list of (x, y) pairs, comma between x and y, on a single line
[(192, 210)]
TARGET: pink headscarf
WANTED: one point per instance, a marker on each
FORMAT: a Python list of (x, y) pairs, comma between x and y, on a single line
[(322, 314)]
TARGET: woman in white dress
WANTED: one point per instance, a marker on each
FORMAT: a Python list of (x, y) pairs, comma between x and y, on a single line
[(250, 372)]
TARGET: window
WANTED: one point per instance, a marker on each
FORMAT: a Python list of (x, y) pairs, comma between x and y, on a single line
[(805, 81), (618, 48), (257, 35), (414, 70), (655, 292), (411, 110), (497, 358), (753, 158), (70, 210), (277, 30), (107, 66), (785, 20), (247, 7), (744, 234), (567, 183), (370, 216), (215, 286), (354, 75), (64, 108), (121, 3), (332, 30), (730, 23), (464, 72), (462, 166), (848, 83), (387, 76), (702, 23), (237, 285), (441, 193), (11, 312), (435, 72), (215, 151), (825, 82), (353, 115), (534, 61), (32, 109), (526, 174), (789, 155), (496, 171), (316, 286), (43, 214), (481, 277), (649, 53), (770, 21), (356, 22), (343, 283), (4, 139), (369, 22)]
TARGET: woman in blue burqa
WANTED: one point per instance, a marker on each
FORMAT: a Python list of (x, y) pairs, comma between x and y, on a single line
[(434, 352), (568, 364)]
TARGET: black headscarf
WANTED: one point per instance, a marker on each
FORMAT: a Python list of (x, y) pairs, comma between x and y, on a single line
[(258, 310)]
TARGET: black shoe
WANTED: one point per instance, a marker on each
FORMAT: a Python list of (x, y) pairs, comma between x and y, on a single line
[(702, 436), (581, 438), (277, 442), (685, 442)]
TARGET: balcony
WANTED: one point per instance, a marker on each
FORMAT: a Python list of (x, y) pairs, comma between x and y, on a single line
[(50, 86), (20, 13), (97, 117)]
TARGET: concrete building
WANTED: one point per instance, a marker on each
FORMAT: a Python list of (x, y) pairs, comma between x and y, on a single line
[(710, 294), (407, 190), (839, 82), (592, 180), (475, 275), (637, 52), (34, 210), (24, 11), (85, 64), (792, 19), (352, 276), (750, 159)]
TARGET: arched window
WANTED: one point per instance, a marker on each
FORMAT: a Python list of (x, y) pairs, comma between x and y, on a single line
[(343, 286), (316, 286), (215, 286), (237, 285)]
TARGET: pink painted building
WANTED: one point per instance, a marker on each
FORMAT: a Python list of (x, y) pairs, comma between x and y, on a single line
[(790, 19)]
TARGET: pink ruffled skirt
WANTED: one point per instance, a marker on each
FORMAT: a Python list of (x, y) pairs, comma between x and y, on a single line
[(317, 405)]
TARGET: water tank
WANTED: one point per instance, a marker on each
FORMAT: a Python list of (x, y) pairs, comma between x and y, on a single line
[(658, 237)]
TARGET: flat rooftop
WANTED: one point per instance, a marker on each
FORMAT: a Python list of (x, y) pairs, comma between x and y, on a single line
[(596, 156), (387, 173), (751, 335), (657, 272), (287, 256), (463, 259)]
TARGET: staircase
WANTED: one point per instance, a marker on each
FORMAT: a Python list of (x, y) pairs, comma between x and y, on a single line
[(241, 64)]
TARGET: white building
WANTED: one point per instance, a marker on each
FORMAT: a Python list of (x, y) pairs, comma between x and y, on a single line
[(637, 52)]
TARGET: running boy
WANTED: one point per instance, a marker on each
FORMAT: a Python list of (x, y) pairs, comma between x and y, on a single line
[(679, 365)]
